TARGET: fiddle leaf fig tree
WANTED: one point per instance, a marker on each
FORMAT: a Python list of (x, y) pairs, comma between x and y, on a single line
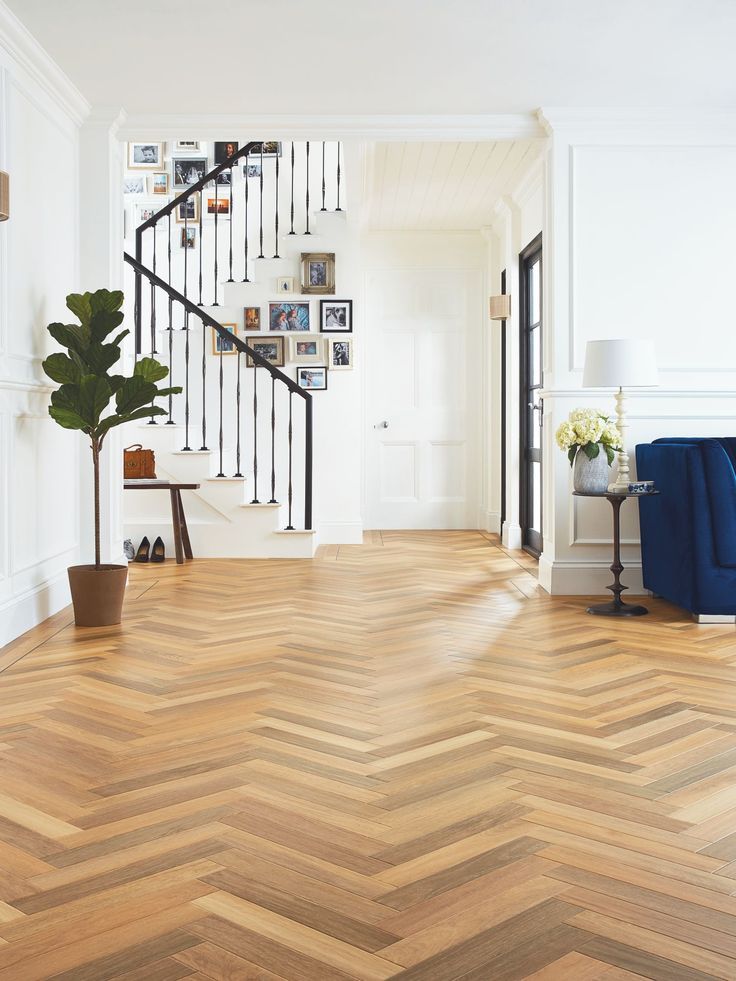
[(86, 385)]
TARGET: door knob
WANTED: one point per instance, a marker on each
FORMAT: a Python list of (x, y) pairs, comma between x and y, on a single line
[(381, 425)]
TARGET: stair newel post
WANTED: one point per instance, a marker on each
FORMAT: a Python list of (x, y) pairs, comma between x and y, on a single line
[(338, 208), (260, 214), (324, 185), (230, 279), (255, 434), (292, 232), (276, 212), (308, 454), (246, 278), (217, 209), (186, 381), (201, 202), (290, 490), (273, 441), (170, 420), (137, 311), (221, 472), (307, 232), (237, 420)]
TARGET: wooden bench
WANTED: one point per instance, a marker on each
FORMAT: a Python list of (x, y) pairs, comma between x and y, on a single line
[(182, 544)]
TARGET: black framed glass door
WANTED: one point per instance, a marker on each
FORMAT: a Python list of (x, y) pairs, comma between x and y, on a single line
[(531, 408)]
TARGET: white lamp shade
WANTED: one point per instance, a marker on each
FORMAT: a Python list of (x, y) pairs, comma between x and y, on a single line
[(620, 364)]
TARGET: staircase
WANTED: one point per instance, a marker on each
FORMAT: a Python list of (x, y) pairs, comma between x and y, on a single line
[(242, 427)]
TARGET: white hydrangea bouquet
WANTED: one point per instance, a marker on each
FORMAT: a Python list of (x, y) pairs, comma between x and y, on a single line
[(588, 430)]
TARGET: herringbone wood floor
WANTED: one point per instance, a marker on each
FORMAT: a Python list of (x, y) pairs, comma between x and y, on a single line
[(401, 760)]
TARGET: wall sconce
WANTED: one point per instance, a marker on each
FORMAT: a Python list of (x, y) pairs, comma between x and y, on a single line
[(4, 196), (501, 307)]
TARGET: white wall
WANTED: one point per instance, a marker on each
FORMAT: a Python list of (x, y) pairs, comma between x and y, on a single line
[(642, 211), (39, 463)]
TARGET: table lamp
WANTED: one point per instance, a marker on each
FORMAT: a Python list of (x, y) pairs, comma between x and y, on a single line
[(620, 364)]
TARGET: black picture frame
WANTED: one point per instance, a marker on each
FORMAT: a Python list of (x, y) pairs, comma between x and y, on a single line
[(335, 328), (225, 149)]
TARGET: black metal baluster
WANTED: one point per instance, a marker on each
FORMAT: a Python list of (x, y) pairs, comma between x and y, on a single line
[(261, 255), (231, 280), (204, 388), (217, 208), (324, 185), (199, 304), (307, 232), (292, 232), (237, 422), (152, 421), (276, 213), (255, 434), (170, 421), (246, 278), (221, 473), (273, 441), (290, 491), (308, 455), (186, 382), (338, 208), (186, 254)]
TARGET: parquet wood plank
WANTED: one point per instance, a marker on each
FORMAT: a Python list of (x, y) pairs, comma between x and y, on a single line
[(400, 760)]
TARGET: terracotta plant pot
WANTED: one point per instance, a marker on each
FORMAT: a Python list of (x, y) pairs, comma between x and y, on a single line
[(97, 594)]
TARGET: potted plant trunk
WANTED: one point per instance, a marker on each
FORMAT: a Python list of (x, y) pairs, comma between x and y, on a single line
[(83, 402), (590, 439)]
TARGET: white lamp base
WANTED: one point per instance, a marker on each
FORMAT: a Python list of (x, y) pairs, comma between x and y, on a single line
[(621, 484)]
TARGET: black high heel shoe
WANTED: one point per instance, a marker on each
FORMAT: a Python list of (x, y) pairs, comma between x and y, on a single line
[(143, 551), (159, 552)]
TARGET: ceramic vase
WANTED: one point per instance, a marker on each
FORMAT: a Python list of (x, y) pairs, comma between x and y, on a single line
[(591, 476)]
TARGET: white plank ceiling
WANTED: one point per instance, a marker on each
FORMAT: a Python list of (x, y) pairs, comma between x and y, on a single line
[(443, 185)]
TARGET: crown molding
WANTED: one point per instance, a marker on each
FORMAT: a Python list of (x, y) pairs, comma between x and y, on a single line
[(27, 53), (655, 125), (107, 117), (405, 128)]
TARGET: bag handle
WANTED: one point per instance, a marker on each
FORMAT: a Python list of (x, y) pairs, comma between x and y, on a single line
[(135, 446)]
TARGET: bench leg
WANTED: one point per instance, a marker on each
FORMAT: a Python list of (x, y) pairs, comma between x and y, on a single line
[(176, 523), (184, 530)]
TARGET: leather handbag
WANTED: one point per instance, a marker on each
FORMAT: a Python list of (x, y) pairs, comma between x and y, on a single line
[(138, 464)]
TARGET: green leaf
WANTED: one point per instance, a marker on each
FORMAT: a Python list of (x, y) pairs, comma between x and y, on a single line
[(60, 368), (571, 453), (116, 382), (72, 336), (134, 393), (145, 413), (172, 390), (610, 454), (119, 337), (106, 300), (80, 305), (94, 394), (101, 357), (591, 450), (103, 323), (68, 419), (150, 370)]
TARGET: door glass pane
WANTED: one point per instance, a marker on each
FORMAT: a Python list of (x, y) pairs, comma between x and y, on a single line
[(536, 496), (535, 357), (534, 430), (534, 293)]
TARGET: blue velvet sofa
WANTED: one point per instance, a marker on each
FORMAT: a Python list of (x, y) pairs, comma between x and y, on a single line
[(688, 532)]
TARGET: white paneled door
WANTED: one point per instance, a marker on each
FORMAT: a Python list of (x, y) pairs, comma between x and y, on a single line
[(422, 398)]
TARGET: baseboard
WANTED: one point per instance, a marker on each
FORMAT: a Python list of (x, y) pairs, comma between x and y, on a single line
[(490, 521), (511, 535), (587, 578), (22, 613), (340, 533)]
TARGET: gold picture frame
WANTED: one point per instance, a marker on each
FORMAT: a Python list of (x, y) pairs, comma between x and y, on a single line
[(192, 205), (263, 345), (318, 273), (220, 346)]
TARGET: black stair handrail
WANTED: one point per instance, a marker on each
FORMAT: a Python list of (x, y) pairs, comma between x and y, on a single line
[(191, 308)]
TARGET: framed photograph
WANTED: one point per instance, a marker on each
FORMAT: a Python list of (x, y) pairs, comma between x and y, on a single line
[(336, 316), (188, 211), (186, 171), (340, 353), (288, 316), (134, 185), (271, 148), (318, 272), (224, 179), (219, 206), (252, 318), (285, 284), (252, 170), (159, 183), (143, 212), (221, 345), (313, 378), (225, 149), (188, 238), (187, 146), (270, 348), (306, 350), (145, 156)]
